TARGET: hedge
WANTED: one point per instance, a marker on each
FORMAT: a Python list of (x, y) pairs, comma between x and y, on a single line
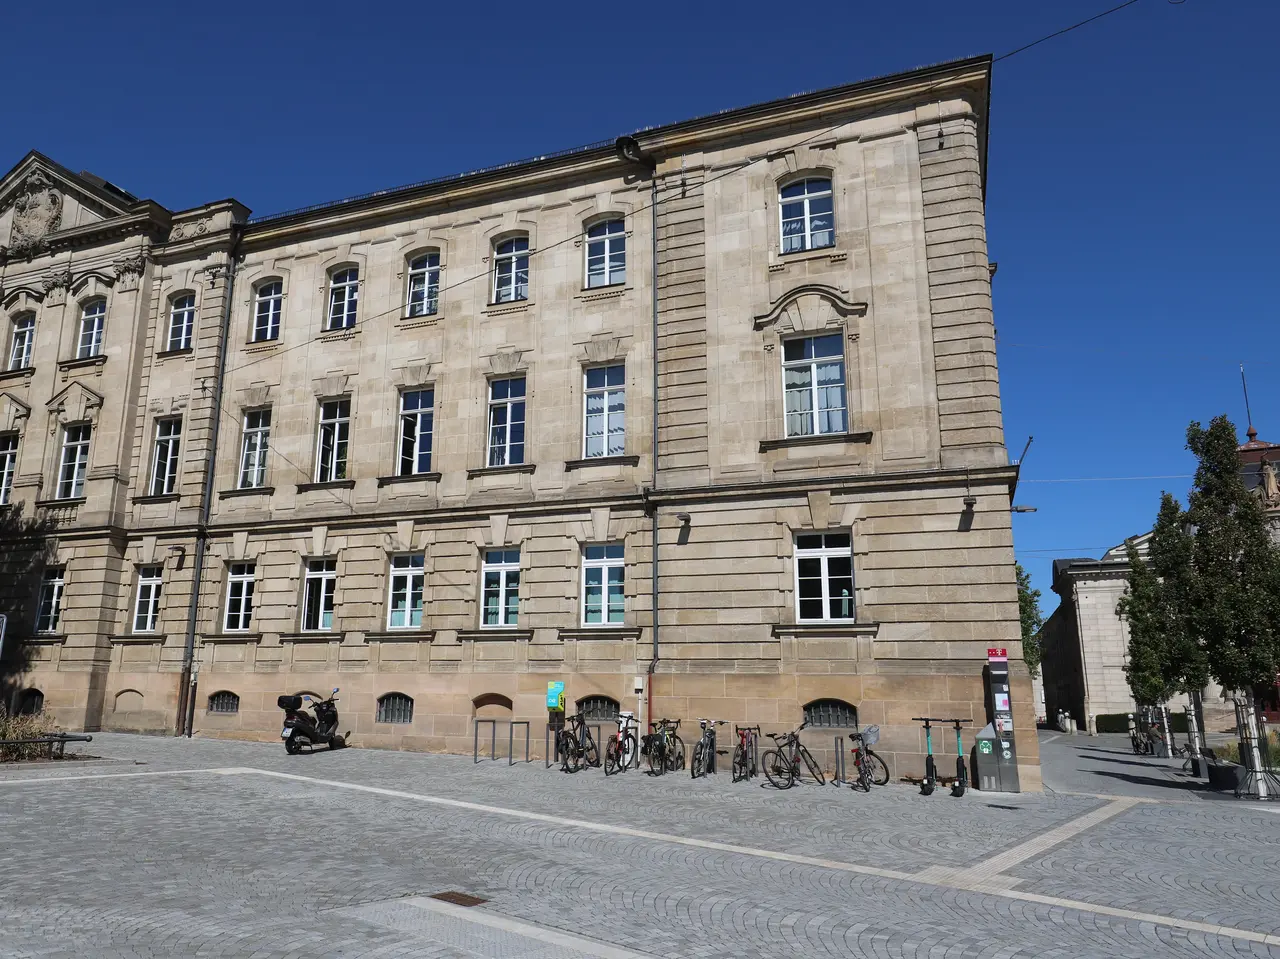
[(1119, 722)]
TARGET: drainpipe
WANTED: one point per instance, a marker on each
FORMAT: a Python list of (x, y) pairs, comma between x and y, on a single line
[(629, 151), (187, 694)]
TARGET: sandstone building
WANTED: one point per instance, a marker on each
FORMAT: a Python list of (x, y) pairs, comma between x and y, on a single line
[(418, 444)]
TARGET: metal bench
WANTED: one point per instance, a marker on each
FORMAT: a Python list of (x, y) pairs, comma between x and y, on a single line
[(53, 740)]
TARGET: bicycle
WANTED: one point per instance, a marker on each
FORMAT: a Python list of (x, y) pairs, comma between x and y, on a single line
[(744, 754), (871, 768), (620, 752), (576, 744), (704, 751), (782, 765), (663, 747)]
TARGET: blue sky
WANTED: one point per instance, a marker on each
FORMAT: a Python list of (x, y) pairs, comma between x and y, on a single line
[(1130, 205)]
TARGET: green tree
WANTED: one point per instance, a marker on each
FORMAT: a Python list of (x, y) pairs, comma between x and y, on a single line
[(1235, 566), (1032, 620), (25, 549)]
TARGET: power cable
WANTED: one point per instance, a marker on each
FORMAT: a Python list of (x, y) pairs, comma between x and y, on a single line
[(1074, 26)]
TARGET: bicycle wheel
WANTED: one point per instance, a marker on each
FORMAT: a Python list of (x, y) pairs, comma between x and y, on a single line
[(864, 770), (814, 769), (612, 757), (777, 769), (570, 755), (657, 758), (698, 767), (741, 766), (629, 748), (675, 753), (590, 752), (879, 771)]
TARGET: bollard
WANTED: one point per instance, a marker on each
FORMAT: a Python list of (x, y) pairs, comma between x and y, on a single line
[(839, 779)]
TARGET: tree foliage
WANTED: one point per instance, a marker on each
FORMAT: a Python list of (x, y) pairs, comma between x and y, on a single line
[(25, 549), (1032, 620)]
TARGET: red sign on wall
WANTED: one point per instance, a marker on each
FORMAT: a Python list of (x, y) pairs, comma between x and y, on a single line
[(997, 655)]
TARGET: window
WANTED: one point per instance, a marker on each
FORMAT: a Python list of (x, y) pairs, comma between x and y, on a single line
[(824, 577), (604, 431), (92, 319), (598, 709), (394, 708), (424, 285), (831, 712), (501, 576), (417, 409), (807, 221), (268, 304), (317, 601), (404, 607), (240, 580), (147, 609), (164, 465), (602, 579), (255, 441), (813, 385), (606, 254), (344, 290), (29, 702), (50, 609), (182, 321), (335, 429), (21, 341), (224, 702), (506, 422), (75, 460), (8, 464), (511, 270)]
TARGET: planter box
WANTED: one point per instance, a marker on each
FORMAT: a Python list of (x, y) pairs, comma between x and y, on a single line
[(1224, 776)]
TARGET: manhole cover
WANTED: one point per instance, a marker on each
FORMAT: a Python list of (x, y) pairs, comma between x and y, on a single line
[(459, 898)]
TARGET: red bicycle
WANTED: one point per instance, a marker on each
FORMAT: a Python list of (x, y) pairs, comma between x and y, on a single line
[(745, 753), (620, 751)]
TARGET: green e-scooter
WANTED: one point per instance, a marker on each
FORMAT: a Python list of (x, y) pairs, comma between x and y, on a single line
[(962, 774), (930, 781)]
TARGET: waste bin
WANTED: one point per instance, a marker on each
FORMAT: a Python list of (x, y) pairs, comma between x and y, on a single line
[(994, 761)]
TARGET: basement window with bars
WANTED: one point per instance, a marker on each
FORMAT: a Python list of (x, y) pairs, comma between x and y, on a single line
[(598, 709), (224, 702), (831, 712), (395, 708)]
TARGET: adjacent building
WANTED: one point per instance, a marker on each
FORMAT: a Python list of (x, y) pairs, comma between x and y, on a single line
[(421, 444)]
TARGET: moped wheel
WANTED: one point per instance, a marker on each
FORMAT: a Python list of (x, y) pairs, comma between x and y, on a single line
[(293, 745), (698, 767), (741, 767), (612, 758), (879, 771), (777, 769)]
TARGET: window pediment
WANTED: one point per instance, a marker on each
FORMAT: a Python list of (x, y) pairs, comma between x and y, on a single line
[(13, 412), (75, 404), (807, 308)]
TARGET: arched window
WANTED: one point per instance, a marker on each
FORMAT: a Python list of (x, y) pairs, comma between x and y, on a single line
[(424, 285), (268, 304), (808, 222), (831, 712), (606, 253), (224, 701), (395, 708), (598, 709), (344, 291), (93, 316), (128, 701), (491, 706), (29, 702), (511, 270), (182, 321), (22, 340)]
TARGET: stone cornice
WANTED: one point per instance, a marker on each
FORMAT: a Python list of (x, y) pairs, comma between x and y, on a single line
[(153, 219)]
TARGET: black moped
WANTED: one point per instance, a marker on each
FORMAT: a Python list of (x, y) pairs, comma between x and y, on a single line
[(302, 730)]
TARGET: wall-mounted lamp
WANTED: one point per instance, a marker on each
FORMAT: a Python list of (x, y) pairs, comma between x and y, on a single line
[(970, 502), (1023, 509), (684, 518)]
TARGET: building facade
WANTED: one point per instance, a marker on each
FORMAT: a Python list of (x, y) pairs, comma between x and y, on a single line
[(420, 445)]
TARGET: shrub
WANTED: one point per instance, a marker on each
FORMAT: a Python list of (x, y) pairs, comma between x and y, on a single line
[(1119, 722), (23, 727)]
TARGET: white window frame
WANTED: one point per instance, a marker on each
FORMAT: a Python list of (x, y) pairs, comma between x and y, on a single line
[(93, 320), (407, 579), (344, 298), (255, 444), (238, 613), (335, 424), (504, 565), (52, 585), (806, 238), (182, 322), (507, 257), (8, 465), (22, 341), (606, 394), (146, 609), (422, 291), (500, 452), (165, 457), (812, 364), (268, 306), (824, 555), (417, 428), (73, 462), (604, 558), (606, 245), (320, 575)]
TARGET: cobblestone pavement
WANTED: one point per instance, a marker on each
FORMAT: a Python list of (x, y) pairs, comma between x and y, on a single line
[(221, 849)]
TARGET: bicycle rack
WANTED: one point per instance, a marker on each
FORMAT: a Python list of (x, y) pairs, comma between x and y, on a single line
[(511, 734), (475, 739)]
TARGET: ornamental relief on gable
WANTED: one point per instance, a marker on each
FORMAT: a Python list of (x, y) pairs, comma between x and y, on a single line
[(37, 212)]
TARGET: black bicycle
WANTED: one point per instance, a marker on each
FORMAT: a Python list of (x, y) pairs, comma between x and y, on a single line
[(704, 751), (782, 765), (576, 745), (663, 747)]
